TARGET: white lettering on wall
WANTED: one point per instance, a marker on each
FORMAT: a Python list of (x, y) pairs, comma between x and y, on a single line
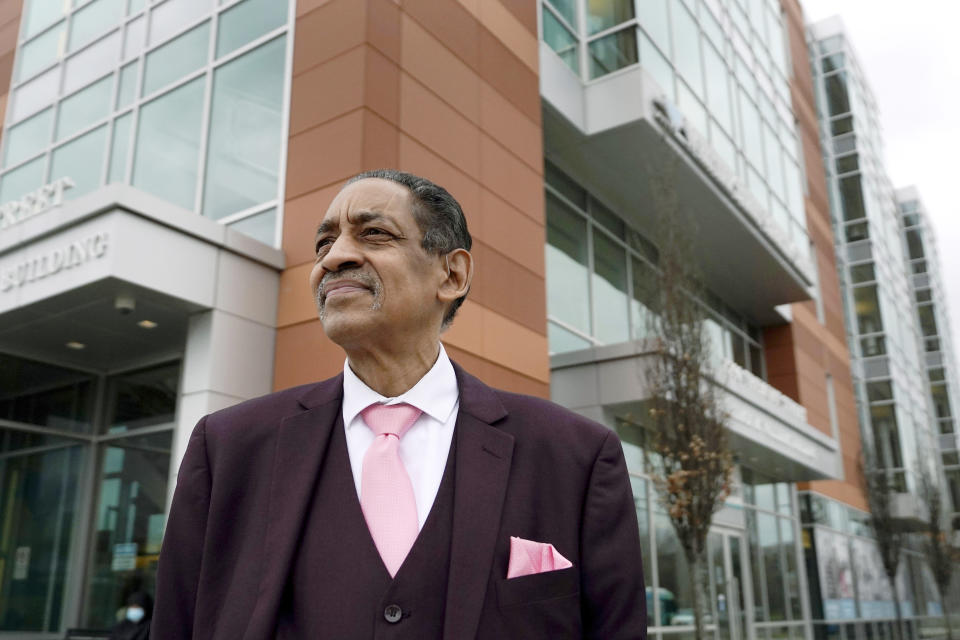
[(36, 202), (69, 256)]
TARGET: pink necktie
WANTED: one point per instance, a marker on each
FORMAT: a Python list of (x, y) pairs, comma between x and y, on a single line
[(386, 493)]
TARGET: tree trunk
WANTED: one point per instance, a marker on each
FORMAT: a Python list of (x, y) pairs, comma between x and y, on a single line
[(946, 617), (698, 581), (896, 605)]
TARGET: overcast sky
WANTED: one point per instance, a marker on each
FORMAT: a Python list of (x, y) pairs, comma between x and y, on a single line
[(910, 52)]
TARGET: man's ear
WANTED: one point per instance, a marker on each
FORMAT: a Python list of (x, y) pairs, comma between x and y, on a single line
[(459, 264)]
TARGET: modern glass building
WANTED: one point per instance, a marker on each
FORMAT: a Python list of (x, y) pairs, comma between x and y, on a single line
[(163, 166), (939, 357), (879, 251)]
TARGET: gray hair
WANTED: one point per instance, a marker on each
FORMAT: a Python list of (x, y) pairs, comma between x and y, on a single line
[(438, 214)]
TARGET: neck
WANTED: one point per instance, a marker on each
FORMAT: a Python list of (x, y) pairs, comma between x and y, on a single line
[(393, 373)]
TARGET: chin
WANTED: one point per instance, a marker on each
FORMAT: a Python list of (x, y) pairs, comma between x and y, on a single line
[(346, 329)]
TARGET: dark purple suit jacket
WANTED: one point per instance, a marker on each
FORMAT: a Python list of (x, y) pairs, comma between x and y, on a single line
[(524, 467)]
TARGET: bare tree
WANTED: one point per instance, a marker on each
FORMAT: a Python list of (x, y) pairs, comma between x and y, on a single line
[(688, 456), (880, 489), (936, 545)]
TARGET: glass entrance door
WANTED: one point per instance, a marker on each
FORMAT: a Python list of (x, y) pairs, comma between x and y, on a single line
[(727, 568)]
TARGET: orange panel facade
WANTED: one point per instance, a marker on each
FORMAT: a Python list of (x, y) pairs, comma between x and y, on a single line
[(448, 90)]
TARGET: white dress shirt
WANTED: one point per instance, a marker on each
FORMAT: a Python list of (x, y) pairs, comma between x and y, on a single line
[(425, 446)]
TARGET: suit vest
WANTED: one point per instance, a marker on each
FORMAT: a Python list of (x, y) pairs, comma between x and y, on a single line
[(338, 586)]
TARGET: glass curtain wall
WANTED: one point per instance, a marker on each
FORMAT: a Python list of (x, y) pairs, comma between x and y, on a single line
[(184, 99), (601, 285), (84, 464), (724, 65), (884, 333)]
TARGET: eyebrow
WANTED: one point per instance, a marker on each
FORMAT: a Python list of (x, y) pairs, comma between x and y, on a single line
[(361, 217)]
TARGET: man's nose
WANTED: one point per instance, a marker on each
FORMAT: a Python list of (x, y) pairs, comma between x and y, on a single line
[(344, 253)]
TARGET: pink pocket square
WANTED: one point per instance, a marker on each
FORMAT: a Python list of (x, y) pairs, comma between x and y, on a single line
[(528, 557)]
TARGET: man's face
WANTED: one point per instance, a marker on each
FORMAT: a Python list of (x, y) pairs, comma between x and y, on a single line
[(372, 280)]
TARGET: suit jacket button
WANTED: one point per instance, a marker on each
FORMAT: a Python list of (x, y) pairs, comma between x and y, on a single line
[(393, 613)]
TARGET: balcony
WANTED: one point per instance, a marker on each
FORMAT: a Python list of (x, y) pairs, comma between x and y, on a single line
[(768, 431), (615, 133)]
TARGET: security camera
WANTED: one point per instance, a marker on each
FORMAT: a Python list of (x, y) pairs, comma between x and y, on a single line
[(125, 304)]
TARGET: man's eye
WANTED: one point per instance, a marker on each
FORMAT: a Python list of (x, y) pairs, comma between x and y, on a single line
[(323, 244), (376, 233)]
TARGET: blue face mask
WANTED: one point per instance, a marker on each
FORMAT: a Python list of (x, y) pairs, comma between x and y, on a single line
[(135, 614)]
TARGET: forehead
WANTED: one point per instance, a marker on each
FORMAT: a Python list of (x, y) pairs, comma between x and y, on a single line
[(371, 195)]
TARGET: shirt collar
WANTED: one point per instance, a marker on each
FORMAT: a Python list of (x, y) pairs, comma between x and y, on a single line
[(436, 394)]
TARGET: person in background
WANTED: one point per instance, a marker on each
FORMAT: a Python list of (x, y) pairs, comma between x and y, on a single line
[(136, 622)]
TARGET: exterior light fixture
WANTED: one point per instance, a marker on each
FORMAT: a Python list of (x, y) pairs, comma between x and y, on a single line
[(147, 324), (76, 346)]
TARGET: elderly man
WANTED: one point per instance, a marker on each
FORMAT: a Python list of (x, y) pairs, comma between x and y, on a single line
[(403, 498)]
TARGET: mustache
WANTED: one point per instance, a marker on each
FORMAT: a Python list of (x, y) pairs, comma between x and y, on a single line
[(349, 275)]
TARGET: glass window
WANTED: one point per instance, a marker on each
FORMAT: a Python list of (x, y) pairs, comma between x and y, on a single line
[(168, 145), (862, 272), (852, 196), (82, 160), (915, 244), (639, 486), (22, 180), (562, 341), (27, 138), (84, 108), (612, 52), (39, 53), (879, 391), (841, 125), (91, 63), (769, 546), (868, 309), (832, 62), (567, 9), (129, 520), (250, 19), (873, 346), (136, 5), (39, 503), (567, 274), (144, 398), (36, 94), (560, 39), (686, 47), (655, 62), (243, 159), (675, 593), (134, 37), (567, 187), (261, 226), (39, 14), (604, 14), (119, 148), (173, 15), (692, 108), (46, 395), (610, 290), (837, 99), (644, 302), (176, 59), (652, 16), (848, 163), (93, 19), (127, 90), (718, 87), (752, 140)]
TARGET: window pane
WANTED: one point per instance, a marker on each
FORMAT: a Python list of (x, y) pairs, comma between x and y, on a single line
[(39, 503), (652, 16), (168, 144), (129, 522), (119, 147), (22, 180), (639, 487), (610, 290), (561, 340), (868, 309), (27, 138), (91, 63), (39, 53), (45, 395), (718, 87), (245, 131), (644, 300), (686, 47), (567, 288), (567, 9), (84, 108), (144, 398), (176, 59), (249, 20), (613, 52), (38, 14), (81, 160), (173, 15), (134, 37), (770, 548), (128, 85), (93, 19), (658, 66), (837, 99), (136, 5), (36, 94), (261, 226), (852, 196), (561, 41), (674, 575), (604, 14)]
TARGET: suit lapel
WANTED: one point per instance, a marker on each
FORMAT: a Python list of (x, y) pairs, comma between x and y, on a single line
[(483, 457), (301, 444)]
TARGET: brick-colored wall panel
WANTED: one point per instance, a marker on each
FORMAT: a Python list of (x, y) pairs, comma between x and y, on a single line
[(300, 219), (513, 233), (509, 75), (305, 354), (511, 128), (381, 142), (452, 24), (312, 102), (421, 160), (507, 288), (324, 154), (506, 27), (381, 91), (511, 179), (496, 375), (331, 29), (525, 11)]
